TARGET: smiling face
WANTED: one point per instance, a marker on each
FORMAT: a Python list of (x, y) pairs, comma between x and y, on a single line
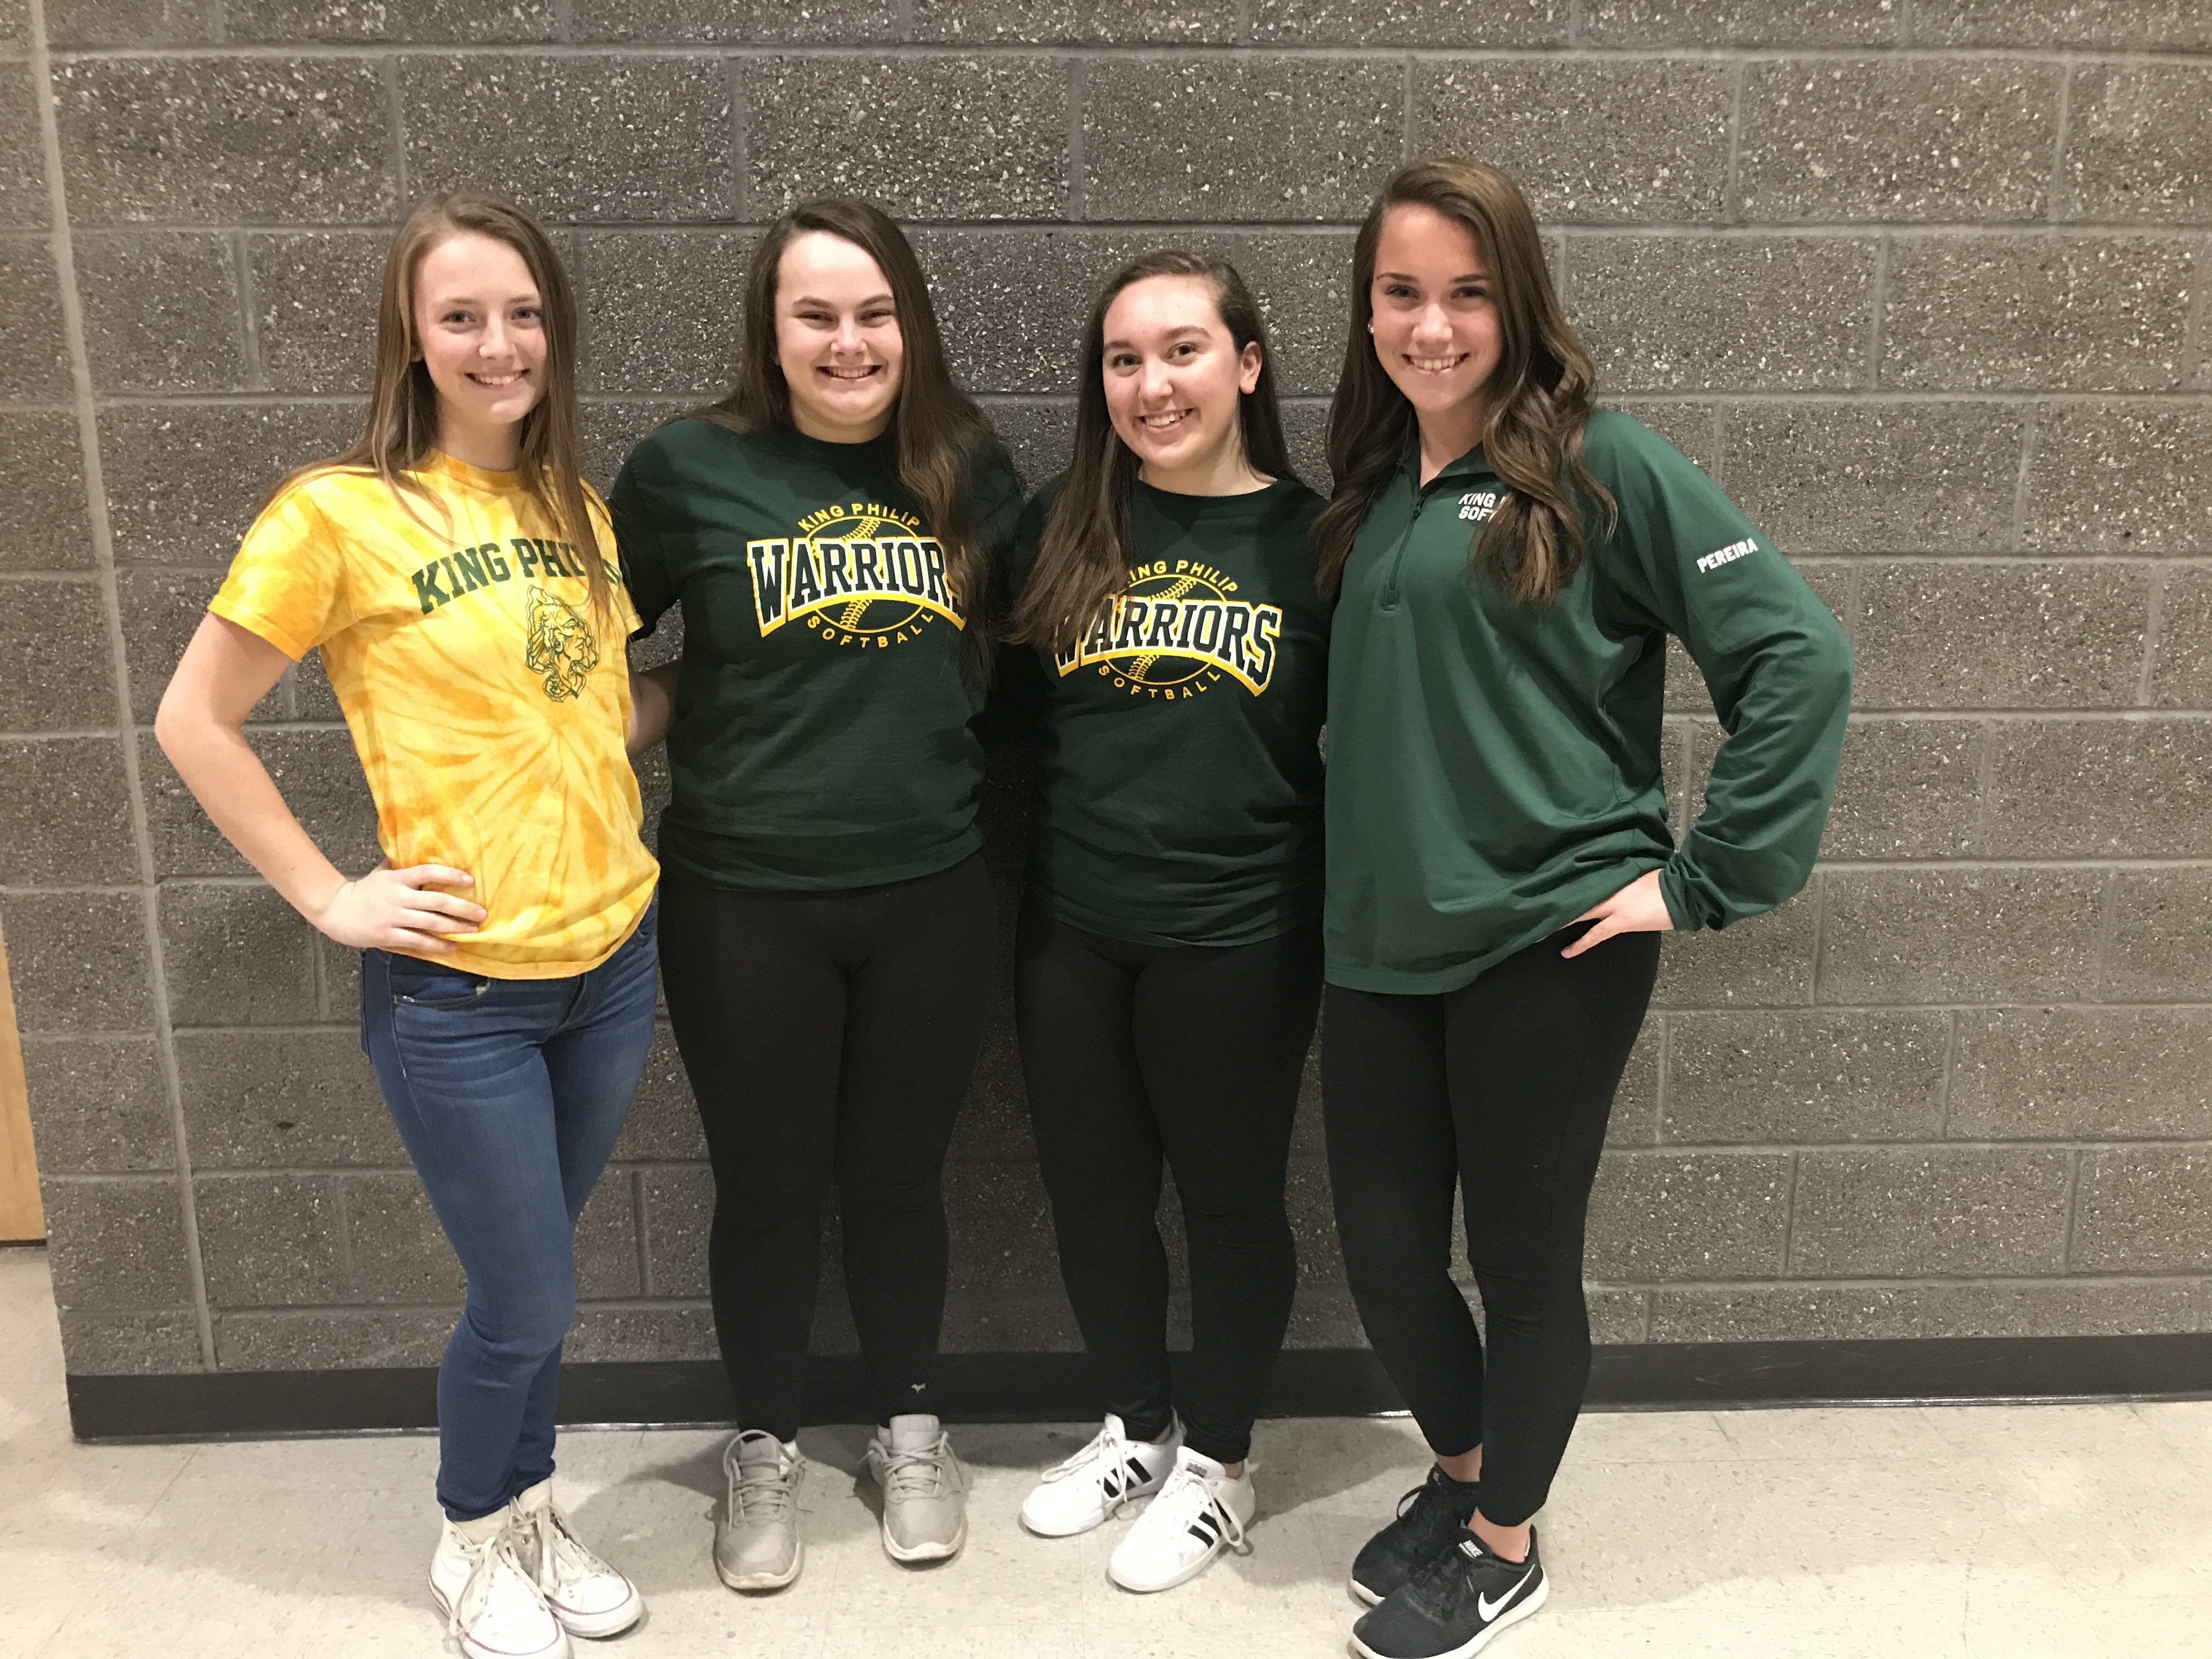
[(837, 338), (1173, 377), (1435, 316), (480, 332)]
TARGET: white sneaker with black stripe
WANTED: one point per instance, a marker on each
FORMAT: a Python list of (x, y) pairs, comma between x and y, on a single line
[(1200, 1512), (1085, 1490)]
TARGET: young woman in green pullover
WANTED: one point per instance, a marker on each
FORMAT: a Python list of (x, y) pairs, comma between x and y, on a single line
[(1168, 962), (1507, 562)]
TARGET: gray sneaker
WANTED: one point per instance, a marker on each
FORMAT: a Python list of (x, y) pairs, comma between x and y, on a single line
[(756, 1535), (924, 1491)]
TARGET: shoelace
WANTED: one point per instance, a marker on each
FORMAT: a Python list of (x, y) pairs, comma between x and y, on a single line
[(1107, 1450), (1187, 1496), (762, 1494), (923, 1471), (485, 1560), (562, 1557)]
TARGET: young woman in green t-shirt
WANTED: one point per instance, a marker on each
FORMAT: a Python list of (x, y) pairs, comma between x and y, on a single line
[(1168, 961)]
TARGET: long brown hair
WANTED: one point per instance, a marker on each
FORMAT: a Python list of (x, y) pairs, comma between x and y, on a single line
[(1539, 395), (942, 437), (1087, 549), (403, 404)]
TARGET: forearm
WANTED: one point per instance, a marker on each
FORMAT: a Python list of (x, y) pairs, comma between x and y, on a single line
[(236, 791), (652, 705)]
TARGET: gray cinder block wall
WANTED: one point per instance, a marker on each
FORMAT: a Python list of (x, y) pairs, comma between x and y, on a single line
[(1921, 282)]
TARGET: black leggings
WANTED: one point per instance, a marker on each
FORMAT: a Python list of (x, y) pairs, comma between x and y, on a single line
[(828, 1034), (1133, 1052), (1501, 1088)]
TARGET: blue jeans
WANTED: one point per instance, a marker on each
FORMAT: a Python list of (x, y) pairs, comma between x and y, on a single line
[(509, 1094)]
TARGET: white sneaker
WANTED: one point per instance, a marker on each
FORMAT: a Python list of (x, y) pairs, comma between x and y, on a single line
[(492, 1605), (925, 1489), (1085, 1489), (757, 1543), (1199, 1512), (586, 1596)]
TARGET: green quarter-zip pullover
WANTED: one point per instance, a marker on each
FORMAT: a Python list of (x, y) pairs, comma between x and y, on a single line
[(1494, 767), (821, 737)]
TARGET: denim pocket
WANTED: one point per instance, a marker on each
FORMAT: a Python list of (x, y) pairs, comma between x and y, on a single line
[(418, 984)]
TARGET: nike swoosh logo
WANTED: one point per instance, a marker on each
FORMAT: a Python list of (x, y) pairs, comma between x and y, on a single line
[(1490, 1609)]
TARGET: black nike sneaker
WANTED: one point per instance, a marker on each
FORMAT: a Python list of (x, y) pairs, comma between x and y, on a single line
[(1452, 1607), (1430, 1518)]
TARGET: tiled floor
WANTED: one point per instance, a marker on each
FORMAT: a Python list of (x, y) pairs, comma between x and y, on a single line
[(2005, 1533)]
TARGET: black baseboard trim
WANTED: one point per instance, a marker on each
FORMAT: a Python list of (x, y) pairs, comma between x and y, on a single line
[(1028, 1387)]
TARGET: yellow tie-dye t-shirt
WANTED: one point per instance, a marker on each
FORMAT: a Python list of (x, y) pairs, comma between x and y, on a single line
[(488, 704)]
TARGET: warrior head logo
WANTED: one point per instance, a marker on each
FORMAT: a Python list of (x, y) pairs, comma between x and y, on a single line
[(561, 645)]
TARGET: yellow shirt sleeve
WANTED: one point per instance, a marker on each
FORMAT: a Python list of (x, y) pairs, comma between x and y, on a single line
[(288, 583)]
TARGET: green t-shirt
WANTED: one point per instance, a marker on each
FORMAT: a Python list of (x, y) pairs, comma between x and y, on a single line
[(821, 736), (1494, 767), (1179, 791)]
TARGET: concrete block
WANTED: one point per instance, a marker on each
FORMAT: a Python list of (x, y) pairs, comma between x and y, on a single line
[(1851, 1313), (995, 127), (1805, 1077), (612, 1332), (1313, 1225), (2032, 311), (2160, 919), (64, 814), (2181, 663), (1918, 1212), (1651, 141), (22, 173), (1895, 139), (32, 364), (132, 23), (338, 969), (1877, 477), (160, 609), (2082, 1074), (1617, 1313), (1324, 1316), (1691, 427), (608, 429), (282, 1100), (663, 1125), (1427, 23), (1033, 1322), (1696, 1215), (397, 1249), (1960, 935), (1044, 22), (2154, 23), (99, 1105), (2144, 1210), (77, 961), (1957, 636), (679, 1211), (184, 484), (1002, 1225), (1238, 138), (994, 1119), (1907, 789), (1305, 433), (315, 770), (767, 22), (1040, 432), (54, 639), (318, 1339), (2138, 143), (606, 1250), (1740, 23), (222, 140), (130, 1344), (1683, 313), (235, 954), (163, 312), (312, 699), (315, 297), (2120, 478), (115, 1243), (1012, 304), (1635, 1120), (2100, 788), (272, 1240), (575, 139), (1763, 963), (44, 460), (412, 23), (662, 310)]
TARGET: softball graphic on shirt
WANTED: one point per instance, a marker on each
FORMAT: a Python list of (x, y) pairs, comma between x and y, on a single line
[(1179, 629), (856, 573)]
